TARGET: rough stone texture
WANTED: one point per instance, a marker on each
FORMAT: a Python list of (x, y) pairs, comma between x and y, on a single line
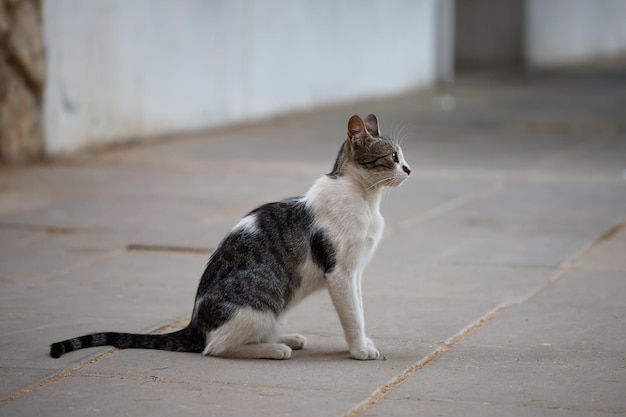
[(25, 42), (4, 20), (497, 290), (22, 78), (20, 125)]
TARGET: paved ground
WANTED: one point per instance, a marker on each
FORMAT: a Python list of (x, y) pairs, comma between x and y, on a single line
[(500, 287)]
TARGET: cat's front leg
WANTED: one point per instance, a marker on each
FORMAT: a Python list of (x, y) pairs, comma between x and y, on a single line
[(359, 280), (345, 293)]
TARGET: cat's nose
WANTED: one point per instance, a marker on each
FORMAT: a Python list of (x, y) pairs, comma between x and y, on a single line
[(406, 169)]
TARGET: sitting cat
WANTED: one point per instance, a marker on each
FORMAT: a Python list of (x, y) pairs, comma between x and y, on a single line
[(281, 252)]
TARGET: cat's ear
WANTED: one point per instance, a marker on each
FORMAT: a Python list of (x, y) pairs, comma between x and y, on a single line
[(371, 123), (357, 133)]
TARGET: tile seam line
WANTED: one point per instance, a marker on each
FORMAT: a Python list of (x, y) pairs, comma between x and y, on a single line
[(67, 373), (53, 230), (380, 393), (181, 249), (377, 395), (516, 405), (160, 380), (444, 208), (569, 264), (87, 263), (61, 375)]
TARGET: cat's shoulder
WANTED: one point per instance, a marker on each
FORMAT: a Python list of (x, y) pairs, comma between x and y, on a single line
[(292, 211)]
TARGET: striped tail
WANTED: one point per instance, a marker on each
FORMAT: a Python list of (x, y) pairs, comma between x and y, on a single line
[(185, 340)]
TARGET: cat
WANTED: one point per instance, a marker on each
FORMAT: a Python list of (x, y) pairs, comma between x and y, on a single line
[(281, 252)]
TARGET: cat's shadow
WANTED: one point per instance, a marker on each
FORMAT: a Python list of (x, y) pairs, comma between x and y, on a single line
[(320, 354)]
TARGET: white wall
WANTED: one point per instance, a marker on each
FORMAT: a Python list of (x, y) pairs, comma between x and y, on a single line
[(120, 69), (565, 31)]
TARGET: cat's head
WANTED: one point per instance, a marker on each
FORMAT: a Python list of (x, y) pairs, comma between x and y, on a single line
[(373, 159)]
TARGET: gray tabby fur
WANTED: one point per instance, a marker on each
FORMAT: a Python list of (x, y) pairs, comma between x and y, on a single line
[(281, 252)]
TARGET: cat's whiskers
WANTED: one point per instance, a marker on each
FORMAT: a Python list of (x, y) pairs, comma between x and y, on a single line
[(385, 181), (385, 194), (401, 134), (396, 131)]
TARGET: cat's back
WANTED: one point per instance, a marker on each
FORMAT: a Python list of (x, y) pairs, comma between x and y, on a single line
[(270, 241), (280, 229), (266, 262)]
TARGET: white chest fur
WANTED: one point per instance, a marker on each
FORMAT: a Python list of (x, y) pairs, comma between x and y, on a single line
[(350, 217)]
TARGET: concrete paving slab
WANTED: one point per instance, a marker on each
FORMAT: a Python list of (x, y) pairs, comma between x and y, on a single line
[(15, 238), (196, 153), (173, 209), (582, 311), (539, 378), (451, 408), (138, 396), (393, 316), (452, 282), (503, 150), (14, 379), (429, 320), (607, 254), (423, 197), (36, 255), (143, 269), (201, 240), (515, 180), (104, 214), (324, 365), (458, 241), (515, 227), (133, 292), (603, 153), (562, 349), (559, 326), (586, 289)]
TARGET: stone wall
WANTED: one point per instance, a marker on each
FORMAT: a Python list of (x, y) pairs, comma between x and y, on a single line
[(22, 80)]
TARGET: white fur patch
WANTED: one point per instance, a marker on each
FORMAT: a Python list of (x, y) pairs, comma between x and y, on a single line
[(247, 326), (312, 281), (247, 225), (401, 174), (352, 220)]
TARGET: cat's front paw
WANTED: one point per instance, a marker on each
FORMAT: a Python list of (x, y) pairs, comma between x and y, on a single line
[(294, 341), (365, 352), (279, 351)]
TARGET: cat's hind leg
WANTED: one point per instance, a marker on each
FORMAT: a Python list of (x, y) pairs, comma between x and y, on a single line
[(250, 334)]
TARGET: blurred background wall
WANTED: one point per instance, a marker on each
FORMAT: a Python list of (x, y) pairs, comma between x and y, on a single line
[(120, 70), (565, 31), (537, 33)]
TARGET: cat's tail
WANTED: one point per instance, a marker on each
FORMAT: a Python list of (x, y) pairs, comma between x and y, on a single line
[(186, 340)]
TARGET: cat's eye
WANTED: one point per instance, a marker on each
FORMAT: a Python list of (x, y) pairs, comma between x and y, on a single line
[(394, 156)]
